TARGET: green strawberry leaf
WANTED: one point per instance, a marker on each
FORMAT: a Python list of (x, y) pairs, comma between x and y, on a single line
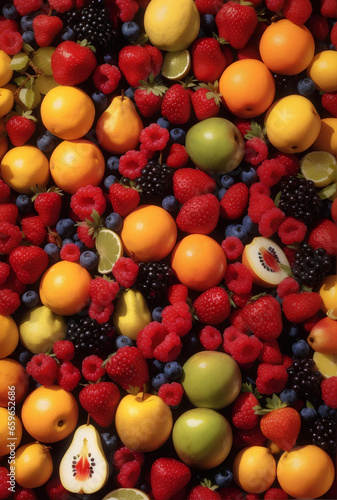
[(273, 403), (19, 62), (256, 131), (207, 483)]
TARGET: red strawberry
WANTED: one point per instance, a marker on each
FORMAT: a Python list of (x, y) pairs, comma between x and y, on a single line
[(206, 101), (243, 413), (177, 157), (234, 201), (176, 105), (8, 213), (324, 235), (329, 8), (123, 198), (199, 215), (28, 263), (128, 368), (33, 230), (48, 206), (168, 476), (298, 307), (263, 317), (72, 63), (189, 182), (61, 6), (236, 23), (149, 96), (21, 128), (137, 62), (297, 11), (329, 102), (208, 6), (204, 491), (46, 28), (212, 306), (100, 400), (208, 61)]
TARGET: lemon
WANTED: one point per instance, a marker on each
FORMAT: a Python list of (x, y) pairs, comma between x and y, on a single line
[(319, 167), (126, 494), (9, 336), (322, 70), (172, 25), (326, 364), (176, 65), (109, 247)]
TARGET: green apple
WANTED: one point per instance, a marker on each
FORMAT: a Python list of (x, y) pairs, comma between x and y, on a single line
[(211, 379), (215, 145), (202, 438)]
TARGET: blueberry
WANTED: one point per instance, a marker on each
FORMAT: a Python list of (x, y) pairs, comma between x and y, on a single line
[(306, 86), (173, 370), (237, 230), (308, 414), (131, 31), (163, 122), (68, 34), (300, 348), (65, 228), (250, 226), (158, 380), (169, 203), (100, 100), (9, 11), (53, 252), (112, 164), (221, 193), (130, 92), (24, 357), (158, 365), (288, 396), (323, 410), (66, 241), (293, 331), (80, 245), (224, 478), (156, 314), (114, 222), (122, 341), (24, 203), (45, 143), (30, 298), (110, 59), (249, 176), (89, 260), (227, 181), (208, 23), (26, 23), (178, 135), (109, 180), (28, 37), (109, 441)]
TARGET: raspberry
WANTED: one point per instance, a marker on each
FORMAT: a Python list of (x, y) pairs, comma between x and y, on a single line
[(333, 35), (177, 157), (10, 237), (291, 231), (244, 126), (4, 491), (238, 278), (8, 213), (240, 300), (24, 494), (125, 272), (287, 361), (270, 172), (150, 337), (4, 192), (290, 162), (241, 347), (171, 393), (256, 151), (248, 437), (177, 293), (106, 78), (61, 6), (274, 5), (70, 252), (24, 7), (238, 322), (4, 272), (128, 9), (123, 455), (287, 286), (92, 368), (258, 205), (99, 312), (271, 378), (85, 200), (146, 151), (275, 494), (43, 369), (55, 490), (177, 318), (208, 6), (10, 42), (13, 283), (329, 391), (210, 338), (290, 254), (319, 26), (154, 137), (64, 350), (259, 188), (129, 474), (233, 247), (9, 302), (270, 221), (243, 414), (328, 8), (297, 11), (169, 349), (103, 291), (271, 352), (85, 235), (7, 24), (132, 163), (68, 376)]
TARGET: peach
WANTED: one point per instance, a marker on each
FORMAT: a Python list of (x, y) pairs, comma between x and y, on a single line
[(323, 336)]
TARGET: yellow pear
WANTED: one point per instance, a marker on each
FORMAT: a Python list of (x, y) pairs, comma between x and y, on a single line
[(131, 314), (119, 127)]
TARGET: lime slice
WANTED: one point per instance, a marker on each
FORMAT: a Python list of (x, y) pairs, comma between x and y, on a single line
[(126, 494), (109, 248), (319, 167), (326, 364), (176, 65)]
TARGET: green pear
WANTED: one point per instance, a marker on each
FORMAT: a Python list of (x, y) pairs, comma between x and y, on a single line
[(131, 314)]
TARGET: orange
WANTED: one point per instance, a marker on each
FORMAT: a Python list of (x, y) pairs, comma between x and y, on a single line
[(254, 469), (287, 48), (305, 472), (67, 112), (10, 431), (64, 288), (6, 72), (322, 70), (9, 336), (199, 262), (328, 293), (13, 382), (49, 414), (75, 164), (33, 465), (149, 233), (247, 88), (327, 137)]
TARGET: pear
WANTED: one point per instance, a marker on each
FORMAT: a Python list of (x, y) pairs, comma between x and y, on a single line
[(323, 336), (131, 314), (119, 127)]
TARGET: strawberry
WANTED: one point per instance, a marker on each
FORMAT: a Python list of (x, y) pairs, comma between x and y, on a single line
[(234, 201), (279, 423), (236, 23), (177, 157), (208, 6), (189, 182), (199, 215), (168, 476), (329, 102), (137, 62), (28, 263), (204, 491), (128, 368), (8, 213), (61, 6), (274, 5), (33, 230), (243, 414), (176, 105), (20, 128), (328, 8), (208, 61), (25, 7), (149, 96), (263, 317), (206, 101), (297, 11), (324, 235), (123, 198), (72, 63), (298, 307), (46, 28), (48, 206), (100, 400), (212, 306)]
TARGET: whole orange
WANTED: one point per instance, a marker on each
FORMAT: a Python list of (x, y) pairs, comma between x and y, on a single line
[(247, 88), (199, 262), (13, 382), (10, 430), (75, 164), (49, 414), (327, 137), (287, 48), (149, 233), (64, 288)]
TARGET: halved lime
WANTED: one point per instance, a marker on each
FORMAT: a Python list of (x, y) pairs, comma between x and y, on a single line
[(319, 167), (176, 65), (126, 494), (109, 248)]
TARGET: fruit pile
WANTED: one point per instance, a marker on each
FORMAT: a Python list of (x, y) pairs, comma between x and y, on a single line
[(168, 241)]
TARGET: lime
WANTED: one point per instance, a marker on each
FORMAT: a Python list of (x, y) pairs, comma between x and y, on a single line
[(326, 364), (126, 494), (319, 167), (176, 65), (109, 247)]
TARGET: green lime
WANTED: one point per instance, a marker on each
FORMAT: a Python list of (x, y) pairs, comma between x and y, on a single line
[(176, 65), (126, 494), (109, 248), (319, 167)]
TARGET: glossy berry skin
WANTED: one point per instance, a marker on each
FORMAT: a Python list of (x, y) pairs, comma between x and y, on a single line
[(158, 380), (122, 341), (173, 370), (178, 135), (237, 230), (30, 299), (224, 478), (300, 348), (72, 63), (65, 228), (131, 31), (45, 143), (89, 260), (306, 87)]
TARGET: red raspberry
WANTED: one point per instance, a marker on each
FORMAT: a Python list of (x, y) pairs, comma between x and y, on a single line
[(4, 192), (290, 254), (9, 302), (4, 491), (210, 338), (208, 6), (259, 188), (329, 391), (10, 237), (85, 235), (234, 201), (169, 349), (24, 494), (238, 278), (68, 376), (4, 272), (70, 252), (61, 6), (85, 200), (177, 293), (243, 414), (131, 164), (64, 350), (43, 369), (275, 494), (297, 11), (238, 322), (146, 151), (24, 7), (243, 348), (311, 322), (212, 306), (11, 42), (125, 272), (128, 9), (171, 393), (129, 474), (292, 231), (290, 162), (177, 318), (287, 361), (274, 5), (103, 291), (177, 157), (248, 437), (258, 205), (9, 213), (55, 490), (34, 230), (329, 8), (318, 26), (154, 137), (123, 455), (150, 337), (99, 312), (106, 78), (8, 24), (256, 150), (271, 352), (270, 172), (244, 126), (287, 286), (233, 247), (271, 378), (92, 368), (13, 283), (270, 222)]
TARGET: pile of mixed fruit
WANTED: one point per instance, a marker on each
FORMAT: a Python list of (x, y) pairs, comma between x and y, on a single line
[(168, 241)]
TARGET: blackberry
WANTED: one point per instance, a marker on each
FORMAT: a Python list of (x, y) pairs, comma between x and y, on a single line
[(155, 180), (323, 433), (88, 336), (153, 280), (92, 23), (311, 266), (305, 380), (299, 199)]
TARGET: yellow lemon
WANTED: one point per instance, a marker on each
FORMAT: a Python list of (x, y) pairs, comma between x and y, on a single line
[(6, 72), (9, 336), (327, 137), (172, 24), (328, 293), (6, 101), (254, 469), (322, 70), (10, 431)]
